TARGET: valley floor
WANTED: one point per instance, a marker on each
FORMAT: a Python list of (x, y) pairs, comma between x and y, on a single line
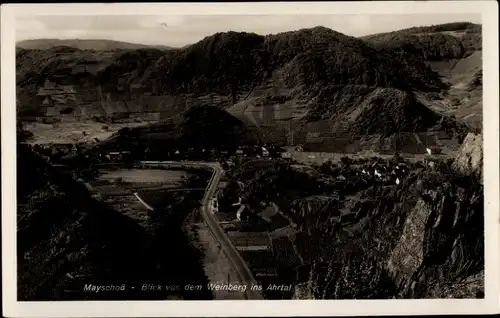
[(73, 132)]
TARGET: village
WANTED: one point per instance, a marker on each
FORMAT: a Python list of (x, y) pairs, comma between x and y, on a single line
[(266, 234)]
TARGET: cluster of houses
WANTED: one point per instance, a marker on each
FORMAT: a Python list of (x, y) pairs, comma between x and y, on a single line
[(241, 209), (386, 173), (269, 211), (117, 156), (52, 150), (433, 151), (225, 156), (250, 151)]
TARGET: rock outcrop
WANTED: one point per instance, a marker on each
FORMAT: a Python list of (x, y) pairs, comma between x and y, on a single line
[(408, 254), (440, 253), (469, 160), (421, 239)]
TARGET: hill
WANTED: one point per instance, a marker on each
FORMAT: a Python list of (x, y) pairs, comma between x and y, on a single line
[(97, 44), (200, 127), (231, 64), (275, 84), (63, 236), (433, 43), (454, 51)]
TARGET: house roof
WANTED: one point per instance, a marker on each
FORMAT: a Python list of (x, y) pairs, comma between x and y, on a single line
[(43, 91)]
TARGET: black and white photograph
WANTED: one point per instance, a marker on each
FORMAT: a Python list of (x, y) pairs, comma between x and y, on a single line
[(172, 154)]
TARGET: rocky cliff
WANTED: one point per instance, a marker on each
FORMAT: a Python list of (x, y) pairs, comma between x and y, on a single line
[(469, 160), (424, 239), (442, 244), (441, 250)]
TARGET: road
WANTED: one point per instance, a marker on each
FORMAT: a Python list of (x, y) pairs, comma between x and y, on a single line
[(245, 275)]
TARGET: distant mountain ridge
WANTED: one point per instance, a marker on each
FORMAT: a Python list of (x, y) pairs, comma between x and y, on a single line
[(85, 44), (468, 27)]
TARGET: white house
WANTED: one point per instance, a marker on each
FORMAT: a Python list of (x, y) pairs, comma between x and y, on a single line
[(237, 203), (265, 152), (286, 155)]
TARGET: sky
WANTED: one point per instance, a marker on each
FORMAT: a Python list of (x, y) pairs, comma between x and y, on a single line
[(178, 31)]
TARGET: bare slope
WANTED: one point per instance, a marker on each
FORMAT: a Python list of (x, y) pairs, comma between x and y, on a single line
[(454, 51)]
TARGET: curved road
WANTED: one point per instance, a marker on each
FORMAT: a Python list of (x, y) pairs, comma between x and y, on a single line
[(245, 275)]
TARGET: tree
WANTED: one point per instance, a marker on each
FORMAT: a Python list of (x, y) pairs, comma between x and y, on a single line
[(345, 161)]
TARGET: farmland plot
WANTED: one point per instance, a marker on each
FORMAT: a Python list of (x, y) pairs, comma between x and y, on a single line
[(166, 178)]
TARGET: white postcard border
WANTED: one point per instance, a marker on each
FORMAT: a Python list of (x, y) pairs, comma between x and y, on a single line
[(13, 308)]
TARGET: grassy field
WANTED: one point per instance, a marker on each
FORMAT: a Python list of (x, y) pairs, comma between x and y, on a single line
[(73, 132), (117, 188), (165, 178)]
